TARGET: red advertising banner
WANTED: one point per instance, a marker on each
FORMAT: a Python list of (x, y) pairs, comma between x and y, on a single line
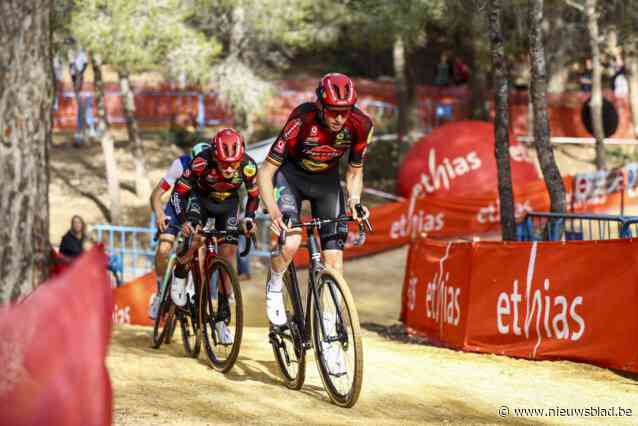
[(53, 348), (543, 300)]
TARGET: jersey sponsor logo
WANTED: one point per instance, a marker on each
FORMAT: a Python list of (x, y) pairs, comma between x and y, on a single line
[(323, 153), (187, 173), (250, 170), (314, 166), (292, 129), (279, 146), (220, 196), (343, 138), (313, 130), (198, 165)]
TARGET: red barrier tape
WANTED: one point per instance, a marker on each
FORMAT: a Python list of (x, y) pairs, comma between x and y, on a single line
[(53, 347), (531, 300)]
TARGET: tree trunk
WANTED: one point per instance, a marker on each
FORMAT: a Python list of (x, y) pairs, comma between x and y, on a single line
[(142, 184), (398, 57), (26, 90), (538, 92), (501, 122), (478, 81), (596, 102), (106, 139), (631, 72)]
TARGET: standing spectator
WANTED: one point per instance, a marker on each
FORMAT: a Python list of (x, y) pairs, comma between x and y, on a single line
[(586, 76), (77, 65), (443, 70), (72, 244)]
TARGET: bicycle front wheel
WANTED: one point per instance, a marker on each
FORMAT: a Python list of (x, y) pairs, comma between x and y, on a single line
[(221, 314), (286, 341), (164, 322), (337, 339)]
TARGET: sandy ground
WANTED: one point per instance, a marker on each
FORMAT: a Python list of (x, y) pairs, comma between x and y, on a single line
[(403, 383)]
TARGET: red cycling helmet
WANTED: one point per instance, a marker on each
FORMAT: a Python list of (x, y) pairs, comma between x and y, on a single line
[(229, 145), (336, 90)]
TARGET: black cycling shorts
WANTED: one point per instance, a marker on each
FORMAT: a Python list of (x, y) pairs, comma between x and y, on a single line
[(201, 208), (324, 192)]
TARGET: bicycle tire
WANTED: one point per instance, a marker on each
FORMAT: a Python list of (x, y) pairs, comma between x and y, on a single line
[(164, 321), (279, 341), (209, 310), (348, 312), (166, 309), (191, 338)]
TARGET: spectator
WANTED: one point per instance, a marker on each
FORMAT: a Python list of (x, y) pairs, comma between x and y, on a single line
[(460, 71), (619, 82), (72, 244), (586, 76), (443, 70)]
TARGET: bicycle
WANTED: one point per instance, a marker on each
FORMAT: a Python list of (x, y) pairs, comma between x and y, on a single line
[(215, 298), (334, 321)]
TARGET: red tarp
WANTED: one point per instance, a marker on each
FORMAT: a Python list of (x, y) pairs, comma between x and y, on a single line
[(53, 348)]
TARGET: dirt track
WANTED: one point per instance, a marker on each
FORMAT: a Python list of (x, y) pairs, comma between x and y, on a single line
[(403, 383)]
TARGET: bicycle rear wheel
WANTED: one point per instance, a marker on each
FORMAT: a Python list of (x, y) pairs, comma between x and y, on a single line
[(221, 315), (286, 341), (338, 351)]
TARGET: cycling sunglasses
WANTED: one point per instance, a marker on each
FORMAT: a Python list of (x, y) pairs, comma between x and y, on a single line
[(335, 112), (223, 165)]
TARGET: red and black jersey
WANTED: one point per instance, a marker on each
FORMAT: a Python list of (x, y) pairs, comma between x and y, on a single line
[(315, 149), (204, 177)]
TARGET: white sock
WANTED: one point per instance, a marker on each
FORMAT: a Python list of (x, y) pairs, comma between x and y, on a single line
[(276, 280)]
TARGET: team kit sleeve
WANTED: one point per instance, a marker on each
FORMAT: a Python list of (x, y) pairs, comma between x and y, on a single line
[(172, 174), (286, 140), (186, 182), (249, 174), (359, 147)]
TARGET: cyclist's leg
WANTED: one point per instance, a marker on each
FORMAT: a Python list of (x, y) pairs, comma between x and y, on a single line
[(195, 215), (166, 241), (226, 216), (330, 204), (288, 198)]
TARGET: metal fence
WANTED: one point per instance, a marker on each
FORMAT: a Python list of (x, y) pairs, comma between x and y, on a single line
[(542, 226), (131, 249)]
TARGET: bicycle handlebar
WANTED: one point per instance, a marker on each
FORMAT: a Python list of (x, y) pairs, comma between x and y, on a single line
[(318, 223), (215, 233)]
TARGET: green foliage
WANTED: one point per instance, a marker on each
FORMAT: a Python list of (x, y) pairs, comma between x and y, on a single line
[(143, 35)]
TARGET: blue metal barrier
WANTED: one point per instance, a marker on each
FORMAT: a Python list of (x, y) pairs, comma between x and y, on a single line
[(542, 226), (132, 249)]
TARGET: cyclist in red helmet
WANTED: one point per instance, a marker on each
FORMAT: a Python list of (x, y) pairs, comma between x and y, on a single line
[(303, 164), (209, 188)]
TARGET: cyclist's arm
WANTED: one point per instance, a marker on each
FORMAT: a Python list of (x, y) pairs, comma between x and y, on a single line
[(186, 182), (249, 173), (265, 177), (156, 199), (354, 184)]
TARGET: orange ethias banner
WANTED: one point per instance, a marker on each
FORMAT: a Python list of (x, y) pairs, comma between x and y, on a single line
[(133, 299), (543, 300)]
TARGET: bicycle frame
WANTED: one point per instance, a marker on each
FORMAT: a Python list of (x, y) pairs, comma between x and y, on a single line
[(301, 317)]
